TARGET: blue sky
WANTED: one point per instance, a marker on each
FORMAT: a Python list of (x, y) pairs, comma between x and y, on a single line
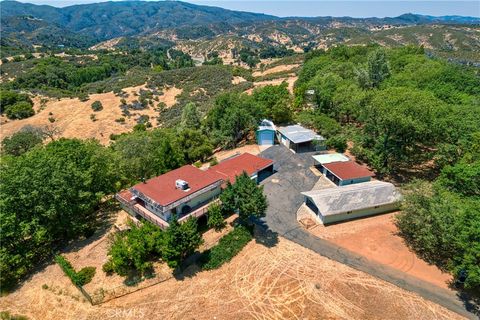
[(353, 8)]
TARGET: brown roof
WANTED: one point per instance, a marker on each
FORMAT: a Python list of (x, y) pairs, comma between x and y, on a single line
[(162, 189), (231, 168), (347, 170)]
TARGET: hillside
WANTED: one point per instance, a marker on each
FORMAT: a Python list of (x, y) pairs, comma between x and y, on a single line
[(23, 31), (112, 19), (200, 30)]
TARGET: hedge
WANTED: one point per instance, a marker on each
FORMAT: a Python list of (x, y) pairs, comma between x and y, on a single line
[(228, 247), (80, 278)]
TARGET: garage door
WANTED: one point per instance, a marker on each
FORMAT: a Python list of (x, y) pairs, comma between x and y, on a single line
[(265, 138)]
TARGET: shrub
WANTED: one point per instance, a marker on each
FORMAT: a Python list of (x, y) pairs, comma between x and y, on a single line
[(338, 142), (97, 106), (85, 275), (6, 315), (93, 117), (228, 246), (214, 161), (108, 267), (20, 110), (140, 127), (80, 278), (120, 120), (51, 119), (83, 97)]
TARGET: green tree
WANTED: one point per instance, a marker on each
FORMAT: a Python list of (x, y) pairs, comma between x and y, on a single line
[(232, 117), (144, 154), (191, 118), (194, 144), (462, 178), (244, 197), (215, 217), (275, 102), (251, 202), (228, 197), (400, 126), (443, 228), (9, 98), (181, 240), (20, 110), (377, 66), (338, 142), (136, 249), (49, 196), (363, 78), (21, 142), (97, 106)]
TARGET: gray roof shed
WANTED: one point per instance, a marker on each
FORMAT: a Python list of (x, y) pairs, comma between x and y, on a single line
[(353, 197), (299, 134)]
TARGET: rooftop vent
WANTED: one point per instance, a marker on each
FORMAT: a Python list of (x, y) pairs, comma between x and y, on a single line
[(181, 184)]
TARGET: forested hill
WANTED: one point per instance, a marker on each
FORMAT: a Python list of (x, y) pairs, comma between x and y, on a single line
[(107, 20), (112, 19)]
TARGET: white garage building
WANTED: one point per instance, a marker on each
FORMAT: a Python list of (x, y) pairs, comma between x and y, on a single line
[(353, 201)]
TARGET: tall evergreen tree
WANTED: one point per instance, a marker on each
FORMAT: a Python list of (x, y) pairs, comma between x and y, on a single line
[(191, 118), (378, 68)]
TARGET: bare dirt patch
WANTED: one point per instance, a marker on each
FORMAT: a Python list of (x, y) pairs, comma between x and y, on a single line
[(376, 238), (283, 282), (237, 80), (275, 82), (250, 148), (281, 68), (72, 116)]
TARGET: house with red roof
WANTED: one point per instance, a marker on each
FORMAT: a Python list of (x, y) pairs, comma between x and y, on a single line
[(343, 173), (256, 167), (188, 191)]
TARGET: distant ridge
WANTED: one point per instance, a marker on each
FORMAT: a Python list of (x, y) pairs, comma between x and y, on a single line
[(106, 20)]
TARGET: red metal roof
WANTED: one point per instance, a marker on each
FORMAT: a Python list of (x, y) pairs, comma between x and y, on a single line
[(162, 189), (231, 168), (347, 170)]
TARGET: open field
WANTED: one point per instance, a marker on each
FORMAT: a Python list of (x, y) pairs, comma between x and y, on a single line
[(275, 82), (284, 281), (72, 116), (276, 69), (377, 238)]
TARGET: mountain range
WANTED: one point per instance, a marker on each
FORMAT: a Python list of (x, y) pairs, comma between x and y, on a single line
[(202, 29), (106, 20)]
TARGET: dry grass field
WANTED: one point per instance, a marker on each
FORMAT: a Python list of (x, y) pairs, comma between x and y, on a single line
[(276, 69), (285, 281), (275, 82), (72, 116)]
